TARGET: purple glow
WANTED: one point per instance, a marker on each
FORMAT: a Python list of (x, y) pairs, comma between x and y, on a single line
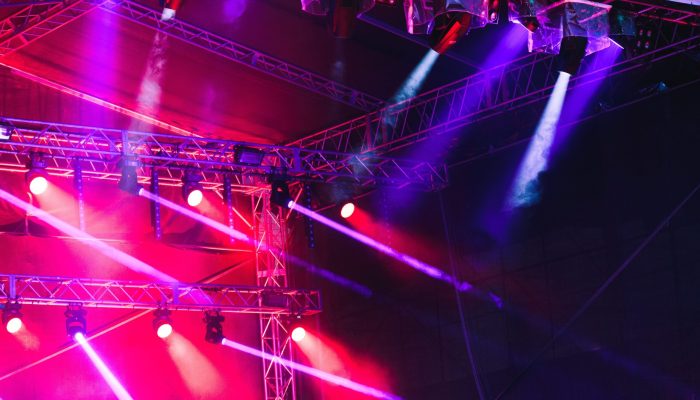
[(225, 229), (579, 98), (330, 378), (108, 376), (524, 190), (404, 258), (109, 251)]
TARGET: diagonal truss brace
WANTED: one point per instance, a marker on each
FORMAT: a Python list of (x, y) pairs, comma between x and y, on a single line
[(99, 151), (61, 291), (480, 96)]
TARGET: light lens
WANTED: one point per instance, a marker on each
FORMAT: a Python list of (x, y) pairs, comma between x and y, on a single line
[(14, 325), (194, 198), (298, 334), (38, 185), (347, 210), (164, 330)]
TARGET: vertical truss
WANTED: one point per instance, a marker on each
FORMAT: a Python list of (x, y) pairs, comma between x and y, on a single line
[(271, 271)]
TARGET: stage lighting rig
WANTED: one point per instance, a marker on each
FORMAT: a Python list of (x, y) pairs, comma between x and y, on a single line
[(215, 331), (170, 7), (162, 323), (129, 181), (75, 319), (36, 174), (192, 189), (347, 210), (5, 131), (12, 317)]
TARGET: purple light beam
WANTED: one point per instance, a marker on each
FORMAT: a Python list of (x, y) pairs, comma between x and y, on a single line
[(108, 376), (397, 255), (330, 378)]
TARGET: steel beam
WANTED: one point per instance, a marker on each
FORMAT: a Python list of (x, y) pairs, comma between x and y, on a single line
[(61, 291), (99, 150)]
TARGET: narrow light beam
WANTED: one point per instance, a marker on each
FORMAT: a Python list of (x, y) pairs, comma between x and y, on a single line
[(108, 376), (305, 369), (107, 250), (524, 190), (404, 258)]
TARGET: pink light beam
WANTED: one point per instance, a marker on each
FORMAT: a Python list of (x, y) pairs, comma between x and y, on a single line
[(305, 369), (108, 376)]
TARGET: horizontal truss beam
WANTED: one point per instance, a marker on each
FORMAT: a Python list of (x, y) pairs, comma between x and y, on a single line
[(244, 55), (480, 96), (99, 150), (61, 291)]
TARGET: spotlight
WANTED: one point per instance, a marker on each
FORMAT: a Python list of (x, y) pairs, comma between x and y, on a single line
[(280, 193), (248, 156), (36, 176), (347, 210), (11, 317), (162, 323), (344, 16), (192, 189), (571, 53), (129, 181), (298, 334), (75, 320), (523, 14), (170, 7), (449, 28), (215, 332), (5, 132)]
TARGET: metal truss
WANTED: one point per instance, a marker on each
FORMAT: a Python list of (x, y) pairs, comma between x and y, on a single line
[(480, 96), (25, 3), (668, 11), (271, 267), (36, 20), (99, 151), (61, 291), (244, 55)]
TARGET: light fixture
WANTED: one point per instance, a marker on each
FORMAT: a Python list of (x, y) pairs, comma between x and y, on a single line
[(12, 317), (280, 192), (129, 181), (571, 53), (192, 189), (36, 175), (215, 332), (449, 27), (170, 7), (248, 156), (75, 319), (5, 131), (162, 323), (347, 210), (298, 334)]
